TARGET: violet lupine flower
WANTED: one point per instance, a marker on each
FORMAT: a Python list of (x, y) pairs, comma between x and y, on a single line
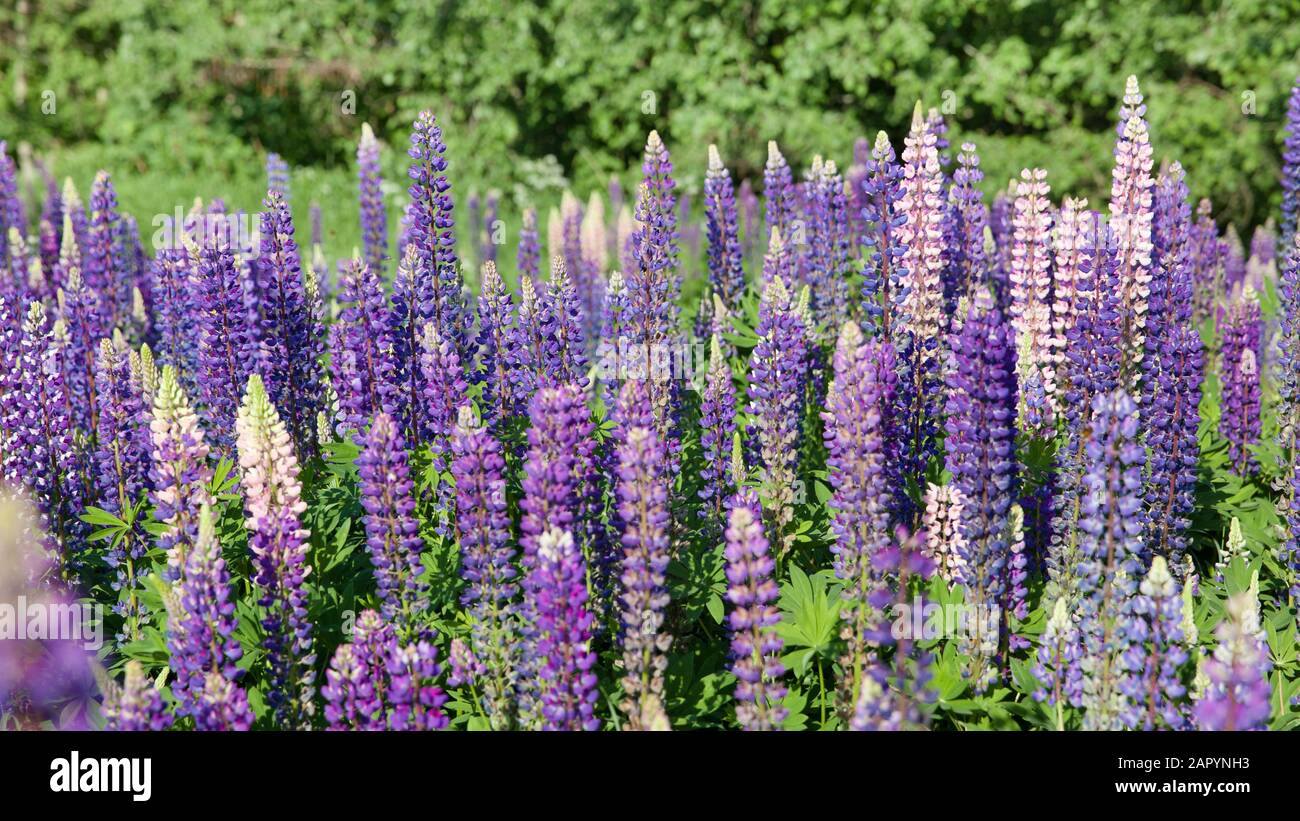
[(84, 326), (227, 347), (290, 337), (980, 455), (779, 211), (180, 473), (752, 592), (415, 702), (862, 462), (1131, 217), (201, 623), (612, 353), (487, 561), (528, 257), (1111, 553), (374, 217), (40, 451), (998, 247), (466, 669), (278, 542), (717, 430), (105, 269), (1056, 665), (123, 461), (528, 346), (437, 277), (1240, 354), (361, 351), (1290, 171), (277, 175), (778, 369), (882, 275), (222, 706), (405, 326), (643, 517), (496, 342), (443, 392), (392, 530), (355, 683), (969, 218), (1207, 264), (1238, 694), (581, 271), (175, 309), (12, 213), (1172, 385), (562, 330), (1288, 412), (1155, 653), (556, 595), (136, 705), (826, 263), (726, 258), (1031, 305), (779, 261)]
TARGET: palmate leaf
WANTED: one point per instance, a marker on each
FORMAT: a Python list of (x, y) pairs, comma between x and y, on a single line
[(810, 616)]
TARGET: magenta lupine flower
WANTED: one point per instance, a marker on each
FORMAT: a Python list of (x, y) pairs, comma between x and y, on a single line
[(528, 257), (392, 529), (882, 274), (1240, 354), (1290, 170), (277, 175), (135, 706), (443, 392), (361, 351), (180, 473), (496, 341), (726, 259), (374, 217), (1112, 552), (969, 218), (487, 561), (778, 370), (980, 455), (643, 518), (1131, 217), (1239, 692), (556, 593), (290, 337), (227, 346), (1031, 303), (717, 430), (752, 592), (278, 542), (779, 207), (201, 623), (1155, 653)]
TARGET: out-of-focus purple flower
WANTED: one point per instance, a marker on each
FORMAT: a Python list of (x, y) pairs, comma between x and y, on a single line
[(1238, 695), (968, 220), (1290, 170), (528, 257), (180, 473), (752, 592), (826, 264), (496, 343), (361, 350), (227, 346), (565, 665), (882, 274), (1240, 355), (136, 705), (105, 269), (374, 217), (726, 259), (717, 430), (562, 330), (12, 213), (1056, 665), (1155, 653), (222, 706), (176, 318), (392, 529)]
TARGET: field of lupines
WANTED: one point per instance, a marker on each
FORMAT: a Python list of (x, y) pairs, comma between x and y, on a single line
[(862, 451)]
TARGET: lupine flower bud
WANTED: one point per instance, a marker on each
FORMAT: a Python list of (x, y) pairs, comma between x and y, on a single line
[(1155, 653), (374, 217), (1131, 215), (726, 272), (135, 706), (1238, 691), (392, 530), (557, 595), (752, 593), (180, 473)]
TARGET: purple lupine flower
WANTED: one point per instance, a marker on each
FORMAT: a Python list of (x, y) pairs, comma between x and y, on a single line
[(1155, 653), (374, 217), (717, 430), (528, 257), (1031, 303), (726, 259), (1111, 552), (643, 517), (355, 683), (1206, 262), (562, 329), (392, 529), (201, 622), (466, 669), (1288, 412), (40, 450), (980, 455), (779, 261), (862, 462), (404, 329), (227, 347), (1000, 231), (1131, 218), (83, 325), (528, 343), (488, 249), (443, 392), (1290, 171), (496, 341), (12, 213), (969, 217), (290, 337), (361, 351), (180, 473), (135, 706), (556, 594), (122, 460), (415, 702), (175, 311), (487, 561), (779, 210), (612, 352), (777, 373), (222, 706), (277, 175), (432, 232), (105, 269), (1240, 355), (826, 264), (572, 259), (882, 275), (752, 592), (278, 542), (1239, 693), (939, 127), (1056, 665)]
